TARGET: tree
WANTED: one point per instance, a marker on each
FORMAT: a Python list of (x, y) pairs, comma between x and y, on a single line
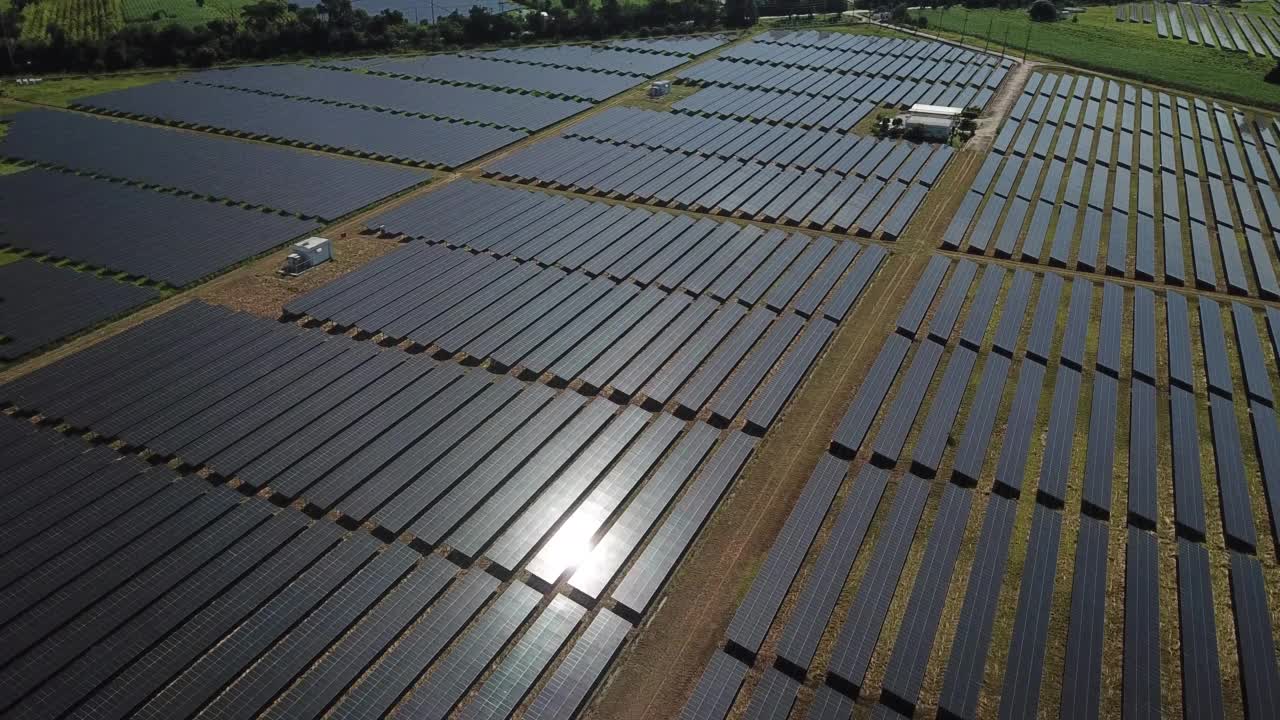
[(264, 14), (740, 13), (1274, 75), (1043, 11)]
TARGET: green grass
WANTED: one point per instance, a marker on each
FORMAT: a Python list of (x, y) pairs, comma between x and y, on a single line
[(81, 19), (61, 92), (7, 257), (183, 12), (1131, 50)]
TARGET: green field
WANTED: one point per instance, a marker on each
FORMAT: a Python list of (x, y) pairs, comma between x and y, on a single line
[(80, 19), (1098, 42), (92, 19), (61, 92), (183, 12)]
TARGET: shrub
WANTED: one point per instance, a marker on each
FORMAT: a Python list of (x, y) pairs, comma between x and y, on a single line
[(1043, 11)]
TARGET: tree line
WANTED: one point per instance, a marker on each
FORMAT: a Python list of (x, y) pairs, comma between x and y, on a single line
[(275, 29)]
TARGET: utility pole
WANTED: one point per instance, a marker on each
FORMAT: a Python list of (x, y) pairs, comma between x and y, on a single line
[(1005, 45), (986, 41), (965, 26), (1027, 44)]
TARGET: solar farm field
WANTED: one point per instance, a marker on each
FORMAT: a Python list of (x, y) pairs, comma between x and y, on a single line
[(252, 159), (1130, 182), (1011, 507), (708, 407)]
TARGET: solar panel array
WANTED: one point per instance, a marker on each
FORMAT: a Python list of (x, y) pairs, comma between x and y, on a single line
[(1208, 26), (880, 190), (142, 232), (336, 128), (41, 303), (696, 316), (936, 455), (253, 174), (408, 97), (569, 83), (134, 589), (1203, 178), (674, 45), (813, 79), (606, 59)]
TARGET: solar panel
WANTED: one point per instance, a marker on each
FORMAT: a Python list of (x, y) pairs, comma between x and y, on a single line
[(193, 687), (716, 689), (862, 626), (121, 694), (898, 423), (751, 373), (866, 404), (637, 589), (1253, 628), (809, 618), (922, 296), (353, 652), (766, 406), (963, 678), (773, 696), (1082, 672), (1024, 669), (583, 667), (757, 610), (598, 568), (1201, 681), (452, 677), (275, 669)]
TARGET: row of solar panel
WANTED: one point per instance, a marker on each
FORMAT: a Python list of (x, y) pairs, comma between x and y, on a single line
[(377, 92), (1024, 176), (1228, 30), (900, 46), (768, 144), (475, 71), (704, 257), (583, 57), (673, 45), (365, 133), (132, 591), (161, 236), (825, 83), (885, 200), (665, 347), (388, 438), (41, 303), (301, 183), (1083, 681), (857, 53), (790, 109)]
